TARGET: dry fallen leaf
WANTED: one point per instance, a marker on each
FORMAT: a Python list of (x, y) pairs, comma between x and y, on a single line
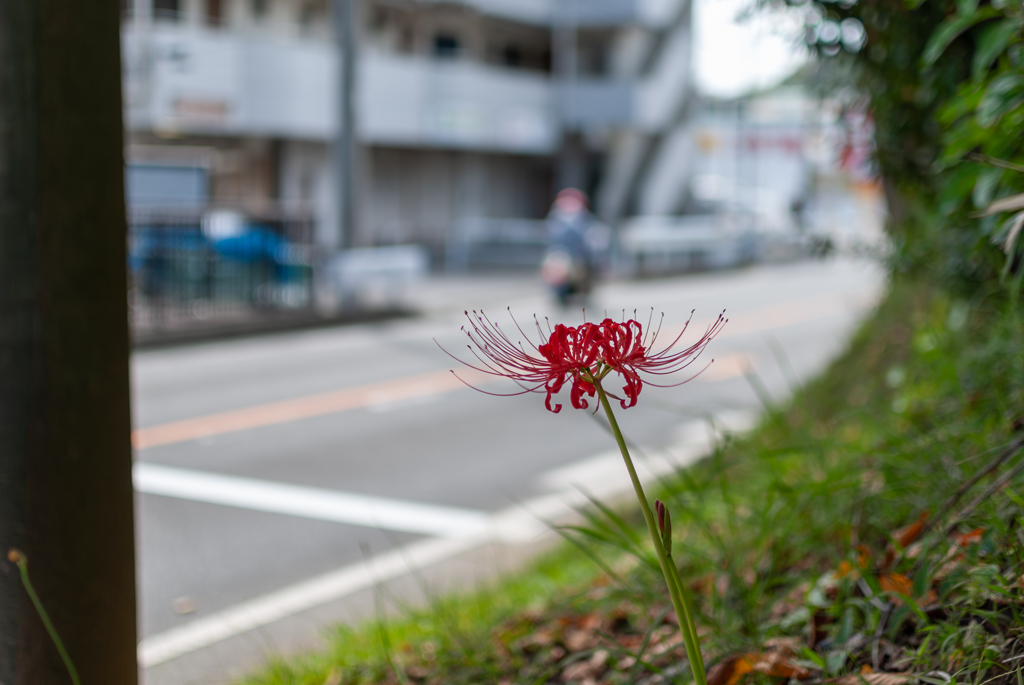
[(778, 665), (908, 534), (863, 561), (625, 663), (874, 679), (776, 662), (898, 583), (417, 672), (667, 645), (970, 538), (844, 569), (729, 670), (787, 645), (630, 641), (537, 639), (953, 560), (793, 600), (703, 585), (577, 640), (586, 670), (904, 537)]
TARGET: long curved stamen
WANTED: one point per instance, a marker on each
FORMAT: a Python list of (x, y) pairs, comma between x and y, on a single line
[(650, 317), (581, 356), (488, 392), (526, 337), (540, 331)]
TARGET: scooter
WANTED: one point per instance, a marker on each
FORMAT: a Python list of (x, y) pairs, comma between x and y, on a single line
[(569, 277)]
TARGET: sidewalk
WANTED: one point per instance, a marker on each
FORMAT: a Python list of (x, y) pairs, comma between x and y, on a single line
[(437, 294), (447, 293)]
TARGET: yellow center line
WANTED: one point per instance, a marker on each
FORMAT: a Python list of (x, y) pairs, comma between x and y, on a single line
[(310, 406), (725, 368), (779, 315), (437, 382)]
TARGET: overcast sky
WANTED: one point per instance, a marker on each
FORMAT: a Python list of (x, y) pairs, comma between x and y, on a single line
[(733, 56)]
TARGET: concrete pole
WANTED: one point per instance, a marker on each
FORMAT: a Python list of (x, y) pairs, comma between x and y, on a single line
[(344, 143)]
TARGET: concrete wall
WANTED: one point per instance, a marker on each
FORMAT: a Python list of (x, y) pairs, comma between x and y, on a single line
[(418, 195), (414, 195)]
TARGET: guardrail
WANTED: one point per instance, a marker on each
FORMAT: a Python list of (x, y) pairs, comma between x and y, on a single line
[(376, 277), (662, 245), (509, 243)]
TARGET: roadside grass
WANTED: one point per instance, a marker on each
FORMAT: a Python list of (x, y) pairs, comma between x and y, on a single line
[(825, 546), (451, 635)]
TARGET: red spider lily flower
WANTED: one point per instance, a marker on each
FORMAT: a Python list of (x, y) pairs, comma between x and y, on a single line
[(583, 355)]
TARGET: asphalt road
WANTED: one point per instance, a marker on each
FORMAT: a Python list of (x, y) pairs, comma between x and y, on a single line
[(264, 462)]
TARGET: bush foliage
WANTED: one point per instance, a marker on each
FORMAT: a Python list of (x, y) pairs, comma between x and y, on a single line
[(945, 81)]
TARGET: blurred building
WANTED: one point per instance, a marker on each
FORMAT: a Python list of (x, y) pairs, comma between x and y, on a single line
[(465, 110)]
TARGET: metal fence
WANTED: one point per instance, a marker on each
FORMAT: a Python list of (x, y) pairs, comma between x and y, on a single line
[(190, 268)]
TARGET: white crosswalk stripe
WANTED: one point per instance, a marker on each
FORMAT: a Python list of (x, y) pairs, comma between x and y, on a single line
[(307, 502)]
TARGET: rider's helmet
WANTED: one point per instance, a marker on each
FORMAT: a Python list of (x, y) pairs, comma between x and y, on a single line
[(571, 201)]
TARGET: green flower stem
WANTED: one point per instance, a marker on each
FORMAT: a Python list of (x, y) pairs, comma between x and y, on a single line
[(22, 563), (675, 587), (688, 608)]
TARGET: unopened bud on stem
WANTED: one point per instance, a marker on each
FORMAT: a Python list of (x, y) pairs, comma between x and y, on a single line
[(664, 525)]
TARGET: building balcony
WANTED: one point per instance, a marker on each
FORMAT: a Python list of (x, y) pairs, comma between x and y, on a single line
[(650, 13), (648, 104), (186, 80), (457, 104), (584, 13)]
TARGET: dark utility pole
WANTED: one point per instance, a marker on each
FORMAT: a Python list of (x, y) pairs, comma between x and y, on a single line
[(344, 143), (65, 456)]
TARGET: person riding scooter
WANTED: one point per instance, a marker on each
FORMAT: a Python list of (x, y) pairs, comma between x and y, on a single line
[(576, 245)]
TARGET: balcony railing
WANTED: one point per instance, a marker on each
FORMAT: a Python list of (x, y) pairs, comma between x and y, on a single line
[(537, 12), (190, 80), (422, 101)]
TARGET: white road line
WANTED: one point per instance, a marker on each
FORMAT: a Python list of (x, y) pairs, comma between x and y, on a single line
[(203, 632), (314, 503), (517, 524)]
